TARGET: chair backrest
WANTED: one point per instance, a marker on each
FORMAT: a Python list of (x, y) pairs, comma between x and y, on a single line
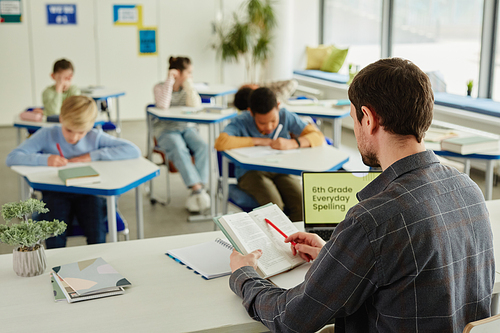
[(487, 325), (219, 163)]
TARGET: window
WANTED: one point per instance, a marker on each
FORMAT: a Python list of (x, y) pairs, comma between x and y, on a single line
[(442, 36), (355, 24)]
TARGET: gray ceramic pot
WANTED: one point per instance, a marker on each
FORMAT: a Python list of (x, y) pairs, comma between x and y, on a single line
[(31, 263)]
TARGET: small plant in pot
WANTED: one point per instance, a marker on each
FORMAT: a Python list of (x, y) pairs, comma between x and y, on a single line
[(27, 235)]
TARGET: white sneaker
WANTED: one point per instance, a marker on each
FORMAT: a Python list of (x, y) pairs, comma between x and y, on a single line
[(192, 203), (203, 200)]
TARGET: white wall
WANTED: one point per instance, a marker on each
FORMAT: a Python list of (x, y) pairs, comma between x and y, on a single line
[(105, 54)]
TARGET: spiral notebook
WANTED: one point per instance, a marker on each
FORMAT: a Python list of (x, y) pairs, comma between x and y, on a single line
[(210, 259)]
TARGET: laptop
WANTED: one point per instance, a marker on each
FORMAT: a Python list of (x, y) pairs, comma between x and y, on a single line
[(327, 196)]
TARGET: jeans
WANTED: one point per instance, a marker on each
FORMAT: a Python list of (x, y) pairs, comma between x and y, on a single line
[(89, 210), (177, 145)]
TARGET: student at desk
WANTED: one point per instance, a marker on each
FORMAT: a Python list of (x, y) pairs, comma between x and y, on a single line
[(179, 139), (414, 255), (54, 96), (258, 127), (78, 143)]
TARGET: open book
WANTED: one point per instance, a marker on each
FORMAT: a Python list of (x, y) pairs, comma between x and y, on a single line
[(249, 231)]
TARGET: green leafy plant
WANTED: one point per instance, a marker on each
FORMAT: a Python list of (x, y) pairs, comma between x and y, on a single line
[(249, 37), (27, 234), (470, 84)]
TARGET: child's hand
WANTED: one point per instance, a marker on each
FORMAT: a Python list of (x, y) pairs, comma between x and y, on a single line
[(56, 160), (284, 144), (174, 73), (38, 110), (262, 141), (81, 158)]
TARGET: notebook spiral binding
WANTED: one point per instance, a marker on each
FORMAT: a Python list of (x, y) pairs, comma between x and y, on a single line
[(224, 243)]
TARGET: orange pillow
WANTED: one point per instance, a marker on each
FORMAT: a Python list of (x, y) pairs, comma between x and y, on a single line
[(316, 56)]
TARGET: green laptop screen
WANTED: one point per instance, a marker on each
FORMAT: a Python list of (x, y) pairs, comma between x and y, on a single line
[(329, 195)]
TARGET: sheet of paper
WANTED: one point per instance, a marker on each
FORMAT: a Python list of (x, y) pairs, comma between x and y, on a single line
[(291, 278), (261, 151)]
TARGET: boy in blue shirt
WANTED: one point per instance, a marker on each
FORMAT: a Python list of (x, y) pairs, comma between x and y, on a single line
[(79, 143), (257, 127)]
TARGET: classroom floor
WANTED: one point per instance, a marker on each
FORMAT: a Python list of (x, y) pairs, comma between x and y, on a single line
[(158, 220)]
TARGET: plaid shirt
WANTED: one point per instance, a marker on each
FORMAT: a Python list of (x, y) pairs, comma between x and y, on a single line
[(415, 255)]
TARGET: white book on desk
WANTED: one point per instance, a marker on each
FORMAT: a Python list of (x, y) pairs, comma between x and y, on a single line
[(470, 144), (261, 151), (209, 259), (248, 232)]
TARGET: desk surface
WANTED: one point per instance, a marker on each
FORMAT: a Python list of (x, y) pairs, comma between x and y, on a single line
[(214, 90), (164, 297), (176, 113), (117, 177), (317, 159), (102, 93), (323, 111)]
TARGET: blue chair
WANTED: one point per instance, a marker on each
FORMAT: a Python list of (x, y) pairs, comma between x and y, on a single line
[(236, 195)]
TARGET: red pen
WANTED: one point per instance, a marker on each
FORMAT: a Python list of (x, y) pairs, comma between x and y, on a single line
[(278, 230), (59, 149)]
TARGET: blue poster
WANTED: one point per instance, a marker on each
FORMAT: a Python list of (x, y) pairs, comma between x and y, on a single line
[(147, 41), (61, 14)]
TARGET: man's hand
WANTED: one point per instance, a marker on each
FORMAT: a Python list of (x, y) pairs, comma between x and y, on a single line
[(284, 144), (308, 245), (56, 160), (262, 141), (81, 158), (237, 260)]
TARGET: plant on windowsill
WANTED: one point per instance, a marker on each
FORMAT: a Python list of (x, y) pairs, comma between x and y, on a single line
[(27, 235), (470, 83)]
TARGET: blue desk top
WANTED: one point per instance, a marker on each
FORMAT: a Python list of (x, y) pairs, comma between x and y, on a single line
[(222, 93), (174, 114)]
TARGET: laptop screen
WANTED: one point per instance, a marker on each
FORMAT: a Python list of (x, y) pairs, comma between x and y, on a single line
[(327, 196)]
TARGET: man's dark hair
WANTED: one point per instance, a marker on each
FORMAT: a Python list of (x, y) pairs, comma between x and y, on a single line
[(262, 100), (242, 98), (61, 65), (398, 92)]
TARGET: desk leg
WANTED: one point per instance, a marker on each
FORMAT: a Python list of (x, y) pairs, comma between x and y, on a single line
[(224, 101), (149, 151), (494, 304), (467, 166), (111, 203), (18, 136), (118, 121), (139, 212), (489, 180), (337, 131), (225, 187)]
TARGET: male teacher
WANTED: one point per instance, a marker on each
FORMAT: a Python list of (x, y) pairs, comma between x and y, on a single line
[(414, 255)]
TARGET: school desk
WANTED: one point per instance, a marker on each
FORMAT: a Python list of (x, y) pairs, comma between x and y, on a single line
[(107, 94), (214, 121), (326, 111), (317, 159), (117, 177), (489, 157), (216, 90)]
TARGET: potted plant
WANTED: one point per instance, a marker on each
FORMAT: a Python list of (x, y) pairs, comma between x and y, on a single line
[(248, 37), (27, 235), (470, 83)]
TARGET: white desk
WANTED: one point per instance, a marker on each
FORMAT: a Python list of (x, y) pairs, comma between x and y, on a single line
[(117, 177), (324, 110), (208, 118), (164, 297), (103, 94), (317, 159), (216, 90)]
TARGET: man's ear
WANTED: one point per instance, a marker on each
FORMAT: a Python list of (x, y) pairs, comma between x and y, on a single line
[(370, 119)]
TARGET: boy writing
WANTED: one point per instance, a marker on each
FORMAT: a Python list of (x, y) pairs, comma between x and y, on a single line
[(54, 96), (257, 127), (78, 143)]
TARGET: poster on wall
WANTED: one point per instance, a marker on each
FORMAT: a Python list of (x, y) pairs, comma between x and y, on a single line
[(127, 15), (147, 41), (10, 11), (61, 14)]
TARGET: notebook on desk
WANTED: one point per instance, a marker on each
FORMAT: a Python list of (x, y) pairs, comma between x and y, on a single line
[(327, 196)]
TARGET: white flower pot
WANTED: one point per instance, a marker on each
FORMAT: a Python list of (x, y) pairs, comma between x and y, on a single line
[(31, 263)]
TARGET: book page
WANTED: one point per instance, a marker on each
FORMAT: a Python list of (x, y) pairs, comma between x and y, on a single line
[(261, 151), (251, 237), (279, 219)]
